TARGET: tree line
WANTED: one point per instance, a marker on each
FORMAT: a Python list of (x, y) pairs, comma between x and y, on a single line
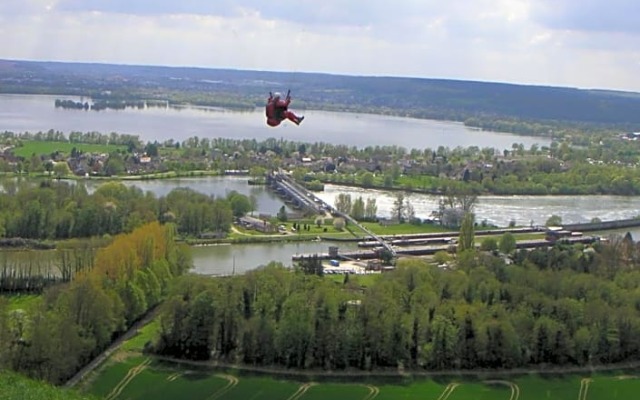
[(61, 210), (560, 169), (563, 306), (53, 135), (74, 322)]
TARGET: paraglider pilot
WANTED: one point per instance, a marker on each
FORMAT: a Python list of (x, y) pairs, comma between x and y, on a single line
[(277, 110)]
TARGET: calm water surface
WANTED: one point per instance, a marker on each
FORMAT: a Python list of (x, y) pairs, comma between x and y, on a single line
[(227, 259), (218, 186), (22, 113)]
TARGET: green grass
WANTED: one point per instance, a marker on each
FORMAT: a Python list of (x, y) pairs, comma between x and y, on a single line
[(403, 229), (145, 334), (252, 388), (14, 386), (164, 381), (335, 391), (158, 381), (426, 389), (160, 384), (22, 301), (479, 391), (551, 388), (41, 147), (111, 374), (614, 388)]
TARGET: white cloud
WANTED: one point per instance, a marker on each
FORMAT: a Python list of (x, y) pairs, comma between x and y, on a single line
[(520, 41), (589, 15)]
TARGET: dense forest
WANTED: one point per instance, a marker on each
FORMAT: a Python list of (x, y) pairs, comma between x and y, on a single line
[(562, 306), (74, 322), (482, 104)]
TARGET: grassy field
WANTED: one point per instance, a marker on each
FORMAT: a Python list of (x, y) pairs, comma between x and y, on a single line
[(139, 377), (22, 301), (402, 229), (38, 147), (146, 334), (14, 387)]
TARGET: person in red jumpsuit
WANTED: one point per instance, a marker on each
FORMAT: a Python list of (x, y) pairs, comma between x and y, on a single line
[(277, 110)]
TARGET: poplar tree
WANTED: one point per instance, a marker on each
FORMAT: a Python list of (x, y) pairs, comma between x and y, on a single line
[(467, 233)]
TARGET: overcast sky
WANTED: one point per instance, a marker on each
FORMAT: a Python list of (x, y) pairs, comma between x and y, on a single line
[(577, 43)]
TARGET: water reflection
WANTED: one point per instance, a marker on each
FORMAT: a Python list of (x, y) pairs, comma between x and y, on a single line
[(20, 113), (228, 259)]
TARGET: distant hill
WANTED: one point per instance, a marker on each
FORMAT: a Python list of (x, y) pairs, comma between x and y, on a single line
[(421, 98)]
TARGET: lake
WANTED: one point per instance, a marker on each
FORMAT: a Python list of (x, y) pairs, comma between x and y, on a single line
[(33, 113)]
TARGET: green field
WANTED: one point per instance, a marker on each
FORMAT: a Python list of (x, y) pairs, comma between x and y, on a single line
[(142, 377), (131, 375), (17, 387), (22, 301), (29, 148), (402, 229)]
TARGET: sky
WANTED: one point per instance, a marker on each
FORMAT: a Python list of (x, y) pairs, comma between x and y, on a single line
[(574, 43)]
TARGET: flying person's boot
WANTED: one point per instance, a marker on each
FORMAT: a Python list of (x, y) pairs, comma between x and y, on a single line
[(300, 120)]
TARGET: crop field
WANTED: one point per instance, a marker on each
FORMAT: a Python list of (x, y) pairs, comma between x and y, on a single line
[(142, 377), (39, 147), (130, 375)]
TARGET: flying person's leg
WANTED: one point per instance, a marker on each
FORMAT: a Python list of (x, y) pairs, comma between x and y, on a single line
[(292, 117)]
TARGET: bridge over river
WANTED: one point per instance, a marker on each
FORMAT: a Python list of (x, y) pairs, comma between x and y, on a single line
[(305, 200)]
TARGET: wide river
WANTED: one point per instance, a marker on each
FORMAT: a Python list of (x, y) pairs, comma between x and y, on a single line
[(498, 210), (29, 113)]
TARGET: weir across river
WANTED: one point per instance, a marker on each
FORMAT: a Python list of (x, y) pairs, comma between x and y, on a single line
[(303, 199)]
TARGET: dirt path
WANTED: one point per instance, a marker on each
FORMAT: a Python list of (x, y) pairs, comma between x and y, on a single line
[(301, 391), (448, 390), (515, 389), (173, 377), (132, 373), (373, 392), (584, 388), (232, 381)]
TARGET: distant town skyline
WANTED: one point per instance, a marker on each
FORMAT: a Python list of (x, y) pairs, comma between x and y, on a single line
[(584, 44)]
